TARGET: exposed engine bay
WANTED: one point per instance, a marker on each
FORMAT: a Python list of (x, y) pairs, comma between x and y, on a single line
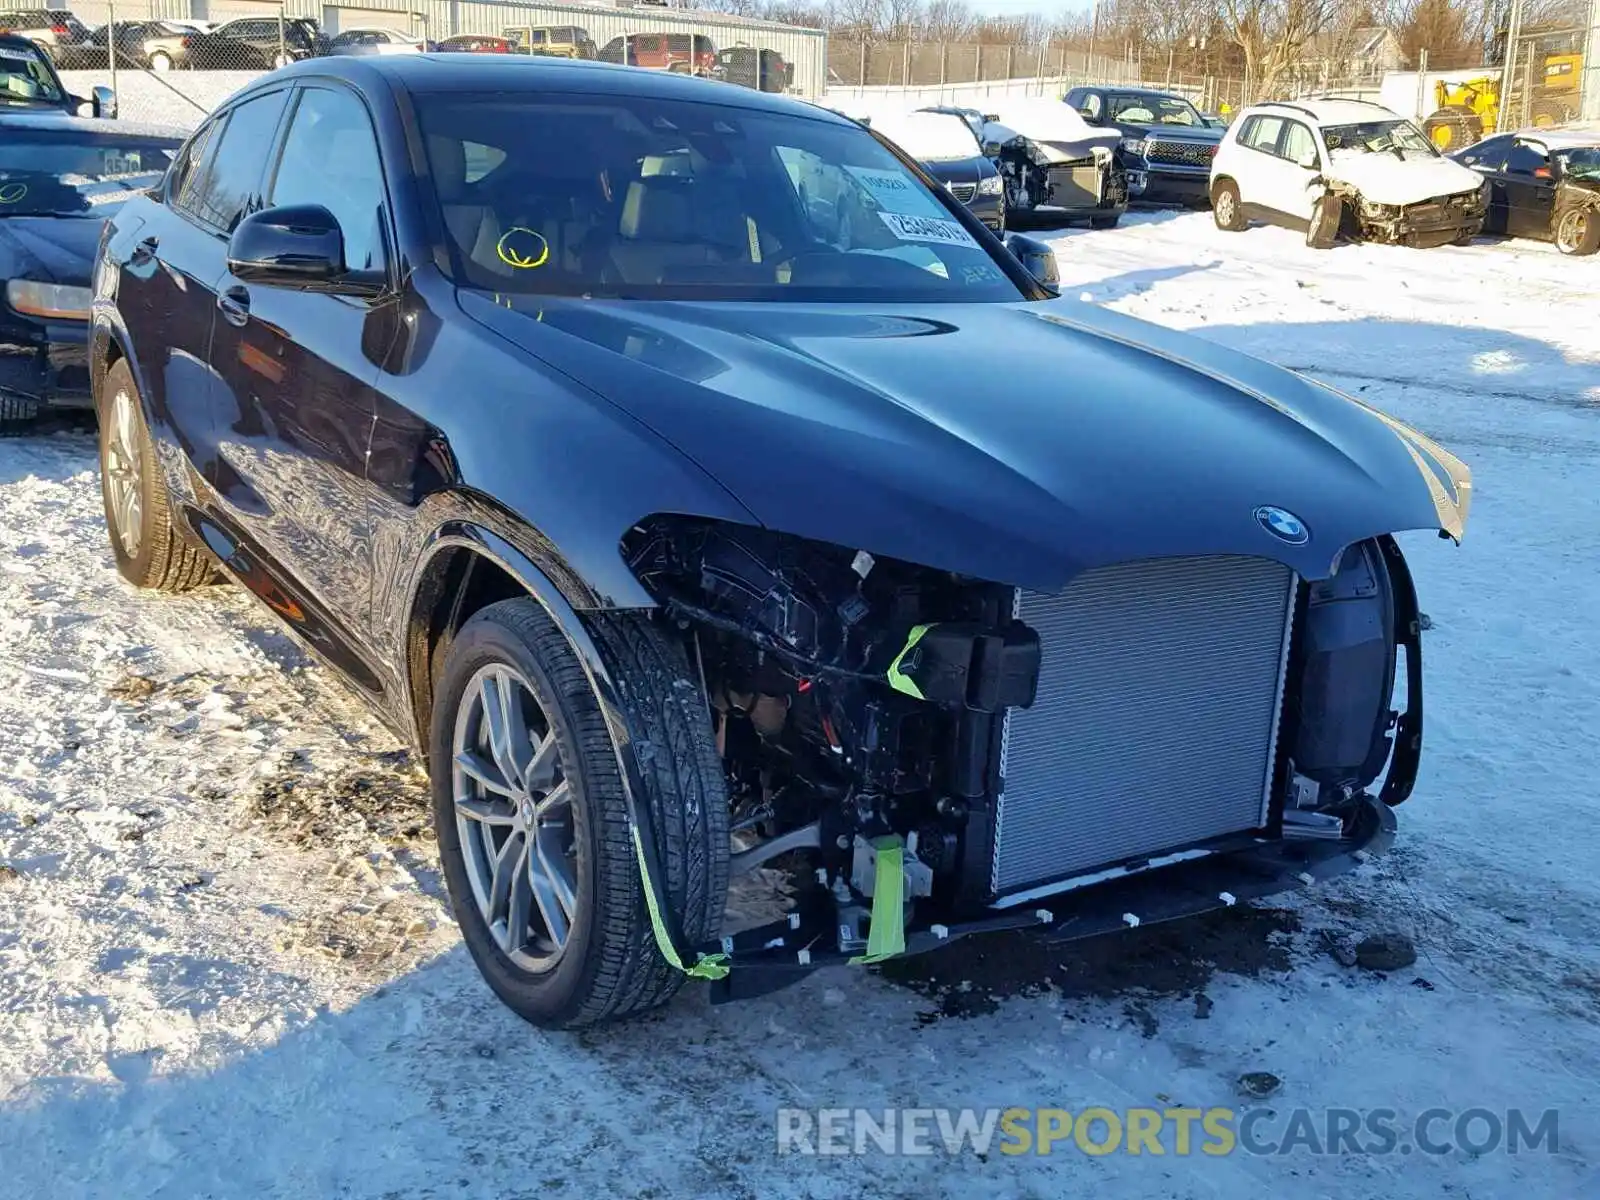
[(1431, 222), (861, 705)]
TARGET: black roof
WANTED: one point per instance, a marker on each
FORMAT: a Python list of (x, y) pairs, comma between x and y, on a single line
[(535, 73)]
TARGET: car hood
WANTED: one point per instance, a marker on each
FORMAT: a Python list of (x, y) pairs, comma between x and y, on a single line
[(48, 249), (1385, 179), (1176, 133), (1020, 443)]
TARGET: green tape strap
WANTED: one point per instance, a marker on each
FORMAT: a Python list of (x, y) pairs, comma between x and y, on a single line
[(887, 936), (707, 966), (898, 681)]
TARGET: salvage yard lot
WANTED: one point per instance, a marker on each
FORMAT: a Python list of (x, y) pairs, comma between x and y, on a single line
[(226, 968)]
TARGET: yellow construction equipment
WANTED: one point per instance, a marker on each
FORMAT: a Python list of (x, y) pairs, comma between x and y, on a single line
[(1469, 109)]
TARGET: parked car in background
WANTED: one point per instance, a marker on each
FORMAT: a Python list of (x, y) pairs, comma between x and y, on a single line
[(56, 31), (554, 41), (1055, 166), (1347, 167), (257, 44), (944, 146), (760, 69), (476, 43), (1166, 145), (375, 41), (1544, 184), (156, 45), (680, 53), (28, 80), (60, 177)]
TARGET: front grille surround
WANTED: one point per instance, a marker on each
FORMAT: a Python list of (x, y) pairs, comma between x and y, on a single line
[(1156, 725)]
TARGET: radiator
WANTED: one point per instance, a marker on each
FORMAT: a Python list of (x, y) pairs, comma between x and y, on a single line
[(1156, 721)]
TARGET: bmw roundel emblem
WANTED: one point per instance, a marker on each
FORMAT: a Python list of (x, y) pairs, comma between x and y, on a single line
[(1283, 525)]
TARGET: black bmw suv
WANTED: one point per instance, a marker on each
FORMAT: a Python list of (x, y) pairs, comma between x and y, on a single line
[(660, 491)]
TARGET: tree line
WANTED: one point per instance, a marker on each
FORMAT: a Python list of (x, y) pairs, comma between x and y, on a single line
[(1261, 41)]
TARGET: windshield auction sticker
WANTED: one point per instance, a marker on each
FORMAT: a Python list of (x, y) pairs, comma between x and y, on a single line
[(910, 213), (927, 229)]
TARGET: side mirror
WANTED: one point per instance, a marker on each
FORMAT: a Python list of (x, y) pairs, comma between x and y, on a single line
[(1089, 117), (1037, 257), (296, 245), (991, 149), (104, 102), (1308, 161)]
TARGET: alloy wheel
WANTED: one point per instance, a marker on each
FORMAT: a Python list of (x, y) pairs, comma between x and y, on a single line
[(1225, 208), (514, 817), (122, 468), (1569, 234)]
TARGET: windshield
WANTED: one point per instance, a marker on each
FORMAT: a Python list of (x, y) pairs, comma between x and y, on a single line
[(1375, 137), (25, 78), (74, 174), (1583, 163), (1154, 110), (646, 198)]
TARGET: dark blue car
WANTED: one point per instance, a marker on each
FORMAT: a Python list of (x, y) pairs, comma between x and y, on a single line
[(652, 454)]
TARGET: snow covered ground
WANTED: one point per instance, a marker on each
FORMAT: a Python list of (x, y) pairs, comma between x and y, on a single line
[(226, 971)]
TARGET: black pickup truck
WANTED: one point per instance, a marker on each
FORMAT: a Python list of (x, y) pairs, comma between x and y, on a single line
[(1167, 145)]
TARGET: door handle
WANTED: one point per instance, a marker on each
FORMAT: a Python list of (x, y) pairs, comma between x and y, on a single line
[(235, 305)]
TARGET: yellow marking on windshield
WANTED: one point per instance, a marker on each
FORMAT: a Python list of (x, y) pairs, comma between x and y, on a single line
[(514, 257)]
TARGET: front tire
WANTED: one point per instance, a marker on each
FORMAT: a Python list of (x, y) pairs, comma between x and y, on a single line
[(160, 61), (148, 550), (1577, 231), (1326, 217), (532, 818), (1227, 210)]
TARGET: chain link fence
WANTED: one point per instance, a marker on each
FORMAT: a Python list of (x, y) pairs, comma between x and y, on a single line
[(167, 59), (955, 70)]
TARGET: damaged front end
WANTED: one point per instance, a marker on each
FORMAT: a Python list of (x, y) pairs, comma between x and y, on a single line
[(1435, 221), (1063, 180), (933, 755)]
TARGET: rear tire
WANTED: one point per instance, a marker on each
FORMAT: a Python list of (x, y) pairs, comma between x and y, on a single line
[(160, 61), (17, 414), (148, 550), (1227, 210), (605, 965), (1577, 231)]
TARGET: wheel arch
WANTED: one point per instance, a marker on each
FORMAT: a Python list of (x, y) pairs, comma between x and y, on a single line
[(465, 567), (458, 551)]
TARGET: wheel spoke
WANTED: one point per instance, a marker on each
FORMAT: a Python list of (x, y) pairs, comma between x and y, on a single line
[(559, 797), (486, 812), (552, 891), (483, 772), (497, 698), (519, 907), (541, 773), (508, 864)]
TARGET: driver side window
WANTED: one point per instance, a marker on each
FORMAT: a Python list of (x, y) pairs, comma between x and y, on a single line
[(1528, 162), (1298, 144)]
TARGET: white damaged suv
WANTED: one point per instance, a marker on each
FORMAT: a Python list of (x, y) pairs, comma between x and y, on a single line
[(1347, 167)]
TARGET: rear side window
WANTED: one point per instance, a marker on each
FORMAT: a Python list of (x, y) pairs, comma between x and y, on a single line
[(1490, 154), (1262, 134), (230, 183), (181, 176)]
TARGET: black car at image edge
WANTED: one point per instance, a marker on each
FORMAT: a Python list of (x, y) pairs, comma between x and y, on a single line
[(60, 177), (661, 492)]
